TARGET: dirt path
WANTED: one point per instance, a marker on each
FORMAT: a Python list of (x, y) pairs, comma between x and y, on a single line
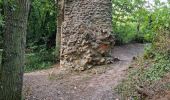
[(95, 84)]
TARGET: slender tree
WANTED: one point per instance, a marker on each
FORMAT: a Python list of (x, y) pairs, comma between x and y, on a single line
[(12, 68), (60, 19)]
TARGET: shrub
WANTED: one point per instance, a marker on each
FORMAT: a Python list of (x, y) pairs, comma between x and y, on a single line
[(39, 60)]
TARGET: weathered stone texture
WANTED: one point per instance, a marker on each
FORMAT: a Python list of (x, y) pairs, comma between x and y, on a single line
[(86, 38)]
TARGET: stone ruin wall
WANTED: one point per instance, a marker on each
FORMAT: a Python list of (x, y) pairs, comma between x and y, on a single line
[(86, 39)]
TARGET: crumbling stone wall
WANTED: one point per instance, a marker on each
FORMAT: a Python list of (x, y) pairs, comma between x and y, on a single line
[(86, 39)]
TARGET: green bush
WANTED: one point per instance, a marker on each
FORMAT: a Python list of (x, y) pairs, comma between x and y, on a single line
[(39, 60)]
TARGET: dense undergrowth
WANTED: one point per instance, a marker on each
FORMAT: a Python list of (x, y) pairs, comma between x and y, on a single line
[(41, 59), (41, 35)]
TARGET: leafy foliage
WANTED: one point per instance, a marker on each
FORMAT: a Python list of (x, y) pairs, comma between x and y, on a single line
[(42, 60), (41, 35), (127, 18), (134, 21), (42, 22)]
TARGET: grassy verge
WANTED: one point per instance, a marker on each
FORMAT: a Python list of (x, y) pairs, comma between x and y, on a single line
[(144, 79)]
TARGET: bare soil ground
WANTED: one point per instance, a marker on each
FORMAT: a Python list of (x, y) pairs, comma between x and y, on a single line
[(93, 84)]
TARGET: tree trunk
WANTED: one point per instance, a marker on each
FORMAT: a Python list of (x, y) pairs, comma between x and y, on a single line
[(60, 19), (86, 39), (11, 71)]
